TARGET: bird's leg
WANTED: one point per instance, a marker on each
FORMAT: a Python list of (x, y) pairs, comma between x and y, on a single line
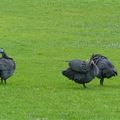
[(5, 82), (101, 81), (84, 85)]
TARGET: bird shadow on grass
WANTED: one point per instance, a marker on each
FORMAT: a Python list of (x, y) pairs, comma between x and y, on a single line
[(111, 86), (93, 88), (77, 87)]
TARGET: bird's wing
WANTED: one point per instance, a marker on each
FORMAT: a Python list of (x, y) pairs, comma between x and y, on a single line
[(79, 66), (6, 64), (105, 64)]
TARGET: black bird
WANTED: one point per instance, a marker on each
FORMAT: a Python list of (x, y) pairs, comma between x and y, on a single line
[(81, 71), (106, 68), (7, 66)]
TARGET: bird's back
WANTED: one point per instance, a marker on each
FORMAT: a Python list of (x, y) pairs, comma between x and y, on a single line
[(79, 66)]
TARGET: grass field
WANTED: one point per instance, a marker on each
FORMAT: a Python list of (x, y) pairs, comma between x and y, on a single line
[(40, 35)]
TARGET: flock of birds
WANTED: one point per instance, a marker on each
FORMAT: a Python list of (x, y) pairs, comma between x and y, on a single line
[(83, 72), (79, 71)]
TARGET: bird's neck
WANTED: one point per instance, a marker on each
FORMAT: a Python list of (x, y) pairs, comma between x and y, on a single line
[(4, 55)]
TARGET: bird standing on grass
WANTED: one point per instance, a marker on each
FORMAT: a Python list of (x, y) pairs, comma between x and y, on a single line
[(7, 66), (81, 71), (106, 68)]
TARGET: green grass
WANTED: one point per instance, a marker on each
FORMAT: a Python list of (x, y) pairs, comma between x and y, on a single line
[(40, 35)]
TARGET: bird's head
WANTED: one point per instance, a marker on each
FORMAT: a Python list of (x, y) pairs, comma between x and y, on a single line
[(1, 50)]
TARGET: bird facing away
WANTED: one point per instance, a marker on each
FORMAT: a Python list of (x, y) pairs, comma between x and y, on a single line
[(81, 71), (106, 68), (7, 66)]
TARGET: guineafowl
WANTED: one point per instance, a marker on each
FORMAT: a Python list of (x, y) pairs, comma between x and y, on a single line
[(81, 71), (7, 66), (106, 68)]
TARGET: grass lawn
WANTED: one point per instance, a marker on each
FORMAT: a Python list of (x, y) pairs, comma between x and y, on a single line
[(40, 35)]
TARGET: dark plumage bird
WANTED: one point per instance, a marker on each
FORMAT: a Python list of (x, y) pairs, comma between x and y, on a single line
[(81, 71), (106, 68), (7, 66)]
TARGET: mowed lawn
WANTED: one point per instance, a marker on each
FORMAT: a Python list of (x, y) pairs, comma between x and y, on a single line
[(40, 35)]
